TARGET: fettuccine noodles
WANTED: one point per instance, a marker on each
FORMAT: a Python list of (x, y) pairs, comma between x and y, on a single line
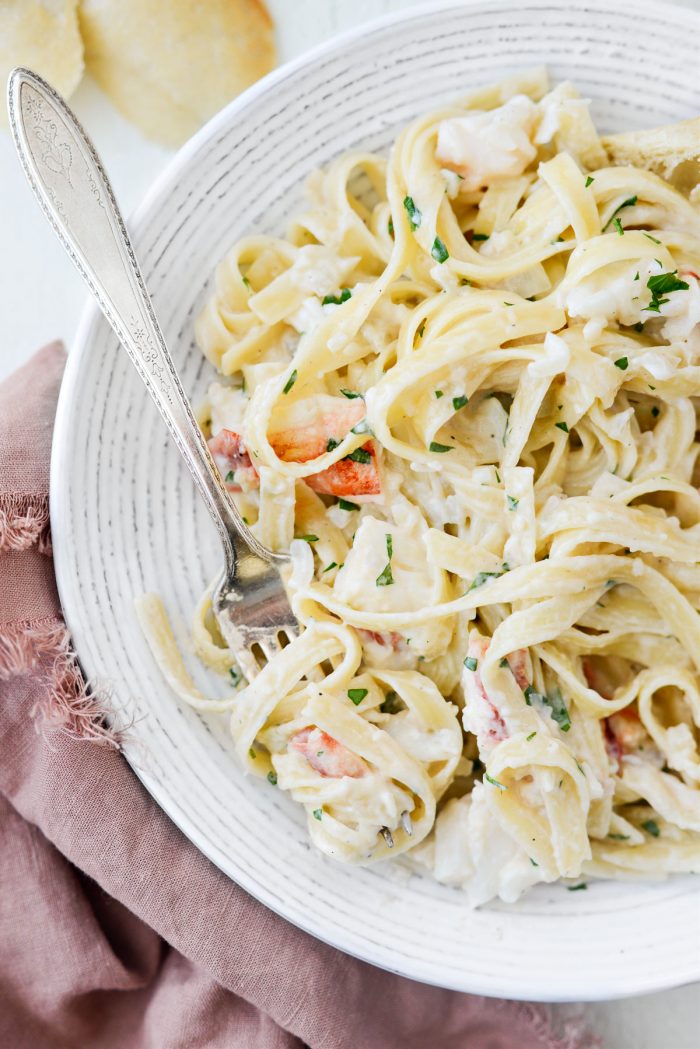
[(463, 391)]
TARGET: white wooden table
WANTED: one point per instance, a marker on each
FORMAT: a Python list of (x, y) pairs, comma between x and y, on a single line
[(41, 298)]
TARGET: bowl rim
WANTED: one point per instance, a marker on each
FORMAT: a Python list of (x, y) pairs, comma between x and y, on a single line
[(91, 316)]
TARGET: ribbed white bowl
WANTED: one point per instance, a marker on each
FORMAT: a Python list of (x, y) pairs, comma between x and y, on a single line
[(126, 518)]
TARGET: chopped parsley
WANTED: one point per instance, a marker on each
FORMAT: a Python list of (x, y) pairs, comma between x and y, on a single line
[(562, 426), (317, 814), (236, 676), (504, 663), (415, 217), (509, 304), (494, 782), (308, 538), (345, 504), (290, 381), (333, 564), (229, 477), (360, 455), (662, 284), (337, 300), (246, 281), (332, 444), (556, 704), (618, 226), (480, 236), (252, 754), (588, 181), (636, 276), (390, 227), (512, 503), (390, 704), (357, 694), (385, 577), (350, 394), (619, 837), (533, 862), (577, 888), (439, 394), (531, 736), (439, 251), (471, 663), (482, 577), (272, 778), (436, 447), (622, 363), (459, 402), (529, 692), (613, 220), (652, 827), (649, 237)]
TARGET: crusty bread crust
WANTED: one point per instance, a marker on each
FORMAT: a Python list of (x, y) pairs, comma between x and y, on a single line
[(673, 152)]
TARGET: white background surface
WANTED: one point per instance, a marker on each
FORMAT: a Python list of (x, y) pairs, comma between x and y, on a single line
[(41, 298)]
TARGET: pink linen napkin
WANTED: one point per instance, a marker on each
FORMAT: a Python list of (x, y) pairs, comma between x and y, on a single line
[(114, 930)]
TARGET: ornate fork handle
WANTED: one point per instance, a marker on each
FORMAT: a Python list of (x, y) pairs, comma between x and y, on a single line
[(72, 188)]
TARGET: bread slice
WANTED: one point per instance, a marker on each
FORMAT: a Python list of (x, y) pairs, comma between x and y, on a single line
[(44, 36), (673, 152), (169, 65)]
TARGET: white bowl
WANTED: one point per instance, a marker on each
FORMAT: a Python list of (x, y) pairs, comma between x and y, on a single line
[(126, 517)]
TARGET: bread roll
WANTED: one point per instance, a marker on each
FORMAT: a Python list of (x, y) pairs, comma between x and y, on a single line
[(43, 35), (169, 65)]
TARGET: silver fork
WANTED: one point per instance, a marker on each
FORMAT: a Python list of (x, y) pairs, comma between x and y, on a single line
[(64, 171)]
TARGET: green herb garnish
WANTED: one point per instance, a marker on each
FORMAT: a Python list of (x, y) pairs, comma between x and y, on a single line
[(622, 363), (385, 578), (588, 181), (337, 300), (482, 577), (556, 703), (630, 202), (480, 236), (317, 814), (229, 477), (272, 778), (512, 503), (290, 381), (531, 736), (360, 455), (435, 447), (577, 888), (619, 837), (415, 217), (652, 827), (438, 394), (350, 394), (331, 444), (471, 663), (494, 782), (459, 402), (439, 251), (390, 705), (345, 504), (357, 694), (562, 426), (333, 564)]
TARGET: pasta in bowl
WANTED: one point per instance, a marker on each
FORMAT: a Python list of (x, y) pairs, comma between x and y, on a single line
[(461, 392)]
